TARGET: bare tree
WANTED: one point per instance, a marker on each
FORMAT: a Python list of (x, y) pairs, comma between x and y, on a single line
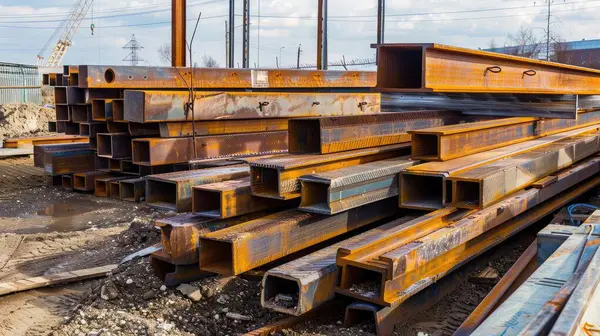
[(164, 52), (560, 54), (524, 43), (209, 62)]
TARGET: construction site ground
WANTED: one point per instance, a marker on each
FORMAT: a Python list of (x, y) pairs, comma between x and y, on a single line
[(46, 230)]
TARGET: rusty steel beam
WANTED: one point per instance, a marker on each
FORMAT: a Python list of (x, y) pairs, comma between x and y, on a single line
[(137, 77), (60, 95), (497, 104), (69, 161), (143, 130), (441, 68), (86, 181), (484, 185), (102, 185), (102, 109), (153, 170), (28, 142), (339, 190), (62, 112), (453, 141), (217, 127), (172, 274), (207, 163), (132, 190), (40, 150), (161, 151), (323, 135), (255, 243), (278, 177), (229, 199), (114, 145), (168, 106), (402, 270), (309, 282), (67, 182), (426, 187), (173, 191)]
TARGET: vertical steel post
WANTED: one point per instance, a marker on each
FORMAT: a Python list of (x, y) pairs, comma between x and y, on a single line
[(380, 25), (246, 34), (230, 61), (322, 35), (178, 25)]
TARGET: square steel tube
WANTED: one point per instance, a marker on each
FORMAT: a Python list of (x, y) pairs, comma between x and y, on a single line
[(118, 113), (114, 145), (424, 191), (115, 189), (129, 168), (102, 185), (114, 165), (173, 191), (75, 95), (60, 95), (86, 181), (102, 109), (215, 127), (81, 113), (132, 190), (91, 130), (67, 182), (69, 161), (61, 125), (62, 112), (71, 128), (40, 150)]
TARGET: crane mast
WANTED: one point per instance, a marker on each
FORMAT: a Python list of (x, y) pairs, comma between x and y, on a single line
[(67, 30)]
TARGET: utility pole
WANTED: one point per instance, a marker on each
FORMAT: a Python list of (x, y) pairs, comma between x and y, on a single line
[(178, 17), (298, 59), (322, 35), (246, 35), (226, 43), (230, 60), (548, 32)]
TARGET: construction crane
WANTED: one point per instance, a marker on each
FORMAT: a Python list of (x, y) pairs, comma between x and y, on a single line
[(67, 30)]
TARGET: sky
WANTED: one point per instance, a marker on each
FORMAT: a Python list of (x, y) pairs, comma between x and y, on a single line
[(278, 27)]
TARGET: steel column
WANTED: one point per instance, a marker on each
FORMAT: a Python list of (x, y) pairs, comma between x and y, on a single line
[(246, 35), (178, 29)]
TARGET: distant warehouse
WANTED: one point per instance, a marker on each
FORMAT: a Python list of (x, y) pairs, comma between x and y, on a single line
[(584, 53)]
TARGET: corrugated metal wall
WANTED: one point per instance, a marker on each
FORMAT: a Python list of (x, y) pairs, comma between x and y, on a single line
[(20, 83)]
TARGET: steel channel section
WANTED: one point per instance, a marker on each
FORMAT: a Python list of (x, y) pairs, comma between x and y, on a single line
[(493, 298), (433, 175), (134, 77), (255, 243), (324, 135), (69, 161), (309, 280), (400, 269), (132, 190), (347, 188), (169, 106), (217, 127), (81, 113), (173, 191), (114, 145), (442, 68), (158, 151), (278, 177), (86, 181), (500, 105), (484, 185), (40, 150), (102, 185), (228, 199)]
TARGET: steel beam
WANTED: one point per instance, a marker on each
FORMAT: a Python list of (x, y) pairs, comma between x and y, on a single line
[(137, 77), (323, 135), (143, 130), (309, 281), (86, 181), (278, 177), (252, 244), (114, 145), (28, 142), (102, 185), (347, 188), (167, 106), (69, 161), (102, 109), (161, 151), (218, 127), (228, 199), (502, 105), (40, 150), (132, 190), (402, 270), (482, 186), (173, 191), (442, 68), (178, 30), (426, 187)]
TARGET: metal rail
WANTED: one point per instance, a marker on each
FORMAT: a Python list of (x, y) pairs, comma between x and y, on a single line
[(168, 106)]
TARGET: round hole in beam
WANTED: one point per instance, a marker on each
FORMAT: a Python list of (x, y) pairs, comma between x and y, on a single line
[(109, 75)]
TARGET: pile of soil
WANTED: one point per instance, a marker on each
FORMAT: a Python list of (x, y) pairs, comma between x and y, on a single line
[(24, 119)]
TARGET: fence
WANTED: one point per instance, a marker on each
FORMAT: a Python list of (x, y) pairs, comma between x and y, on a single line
[(20, 83)]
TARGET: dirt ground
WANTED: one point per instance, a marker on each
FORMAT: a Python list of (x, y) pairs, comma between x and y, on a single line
[(24, 119)]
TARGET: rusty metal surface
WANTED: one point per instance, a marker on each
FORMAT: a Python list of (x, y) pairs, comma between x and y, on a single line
[(241, 248), (129, 168), (102, 109), (81, 113), (118, 110), (158, 151), (442, 68), (69, 161), (425, 186), (143, 130), (114, 145), (168, 106), (40, 150), (216, 127), (484, 104), (492, 299), (325, 135), (117, 127), (173, 191), (86, 181), (277, 177), (310, 281), (206, 163), (136, 77), (104, 93), (28, 142), (174, 274), (485, 184), (147, 170), (403, 270), (132, 190), (102, 185), (339, 190)]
